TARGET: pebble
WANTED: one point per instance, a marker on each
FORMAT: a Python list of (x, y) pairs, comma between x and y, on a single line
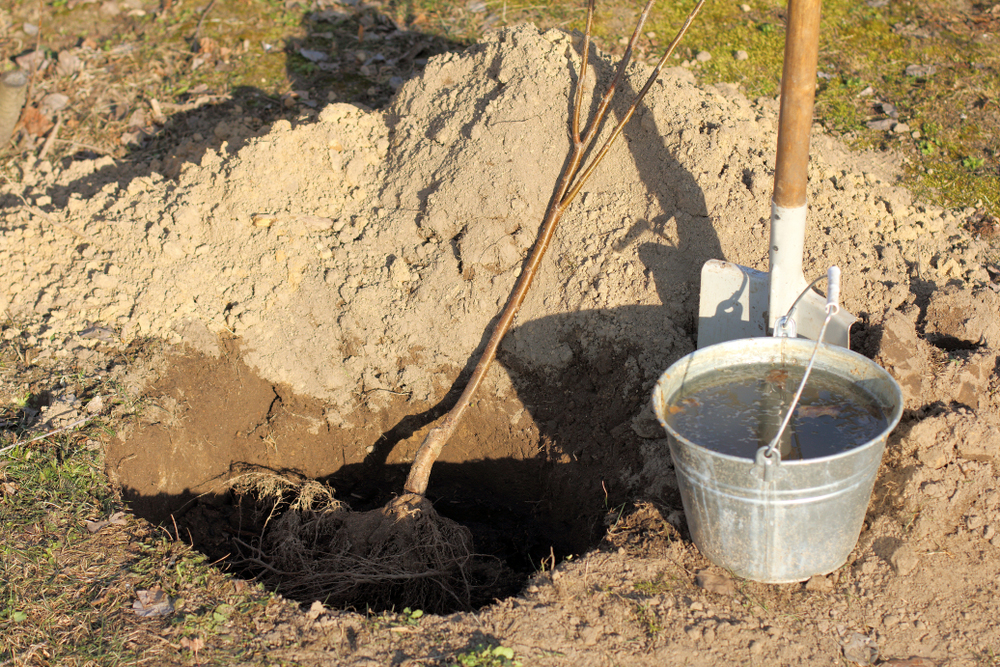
[(900, 128), (881, 125), (741, 55), (714, 583), (904, 560), (591, 634), (819, 583), (703, 56)]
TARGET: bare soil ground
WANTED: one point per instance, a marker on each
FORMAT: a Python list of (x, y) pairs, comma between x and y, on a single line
[(322, 282)]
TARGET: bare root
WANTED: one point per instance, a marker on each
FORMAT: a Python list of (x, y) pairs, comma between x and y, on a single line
[(403, 554)]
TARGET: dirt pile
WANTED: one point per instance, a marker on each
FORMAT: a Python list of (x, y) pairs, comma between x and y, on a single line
[(337, 249)]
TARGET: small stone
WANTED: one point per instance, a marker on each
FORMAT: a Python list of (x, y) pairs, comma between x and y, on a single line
[(936, 456), (720, 584), (590, 635), (694, 632), (881, 125), (744, 8), (703, 56), (741, 55), (904, 560), (867, 92), (173, 250), (900, 128), (315, 610), (756, 647), (54, 102), (819, 583), (95, 405)]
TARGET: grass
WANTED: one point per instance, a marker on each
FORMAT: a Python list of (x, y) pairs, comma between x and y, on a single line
[(486, 656), (69, 577)]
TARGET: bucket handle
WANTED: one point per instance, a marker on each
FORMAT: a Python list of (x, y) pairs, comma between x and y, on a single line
[(769, 456)]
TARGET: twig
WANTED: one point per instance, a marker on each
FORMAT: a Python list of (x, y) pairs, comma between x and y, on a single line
[(572, 178), (46, 435), (197, 28), (49, 140)]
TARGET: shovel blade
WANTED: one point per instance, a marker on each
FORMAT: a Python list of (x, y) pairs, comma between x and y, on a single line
[(733, 303)]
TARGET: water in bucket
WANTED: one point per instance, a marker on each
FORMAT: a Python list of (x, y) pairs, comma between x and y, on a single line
[(739, 409)]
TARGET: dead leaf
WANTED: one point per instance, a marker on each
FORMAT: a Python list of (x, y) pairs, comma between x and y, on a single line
[(33, 61), (152, 603), (95, 526), (52, 103), (68, 64), (207, 45), (193, 644), (34, 122), (116, 519), (860, 649)]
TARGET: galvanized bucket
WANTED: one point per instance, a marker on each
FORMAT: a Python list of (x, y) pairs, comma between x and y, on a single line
[(784, 521)]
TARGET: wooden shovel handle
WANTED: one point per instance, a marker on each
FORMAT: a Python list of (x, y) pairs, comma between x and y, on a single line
[(798, 89)]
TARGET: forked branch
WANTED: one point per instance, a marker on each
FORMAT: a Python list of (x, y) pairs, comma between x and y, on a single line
[(571, 180)]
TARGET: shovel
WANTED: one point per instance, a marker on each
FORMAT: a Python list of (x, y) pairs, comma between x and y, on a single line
[(740, 302)]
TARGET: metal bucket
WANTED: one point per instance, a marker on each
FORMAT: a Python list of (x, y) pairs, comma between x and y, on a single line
[(786, 521)]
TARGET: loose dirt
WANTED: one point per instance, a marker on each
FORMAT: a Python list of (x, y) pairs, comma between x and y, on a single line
[(331, 280)]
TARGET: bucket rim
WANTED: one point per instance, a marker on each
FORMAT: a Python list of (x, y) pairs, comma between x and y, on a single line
[(834, 351)]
